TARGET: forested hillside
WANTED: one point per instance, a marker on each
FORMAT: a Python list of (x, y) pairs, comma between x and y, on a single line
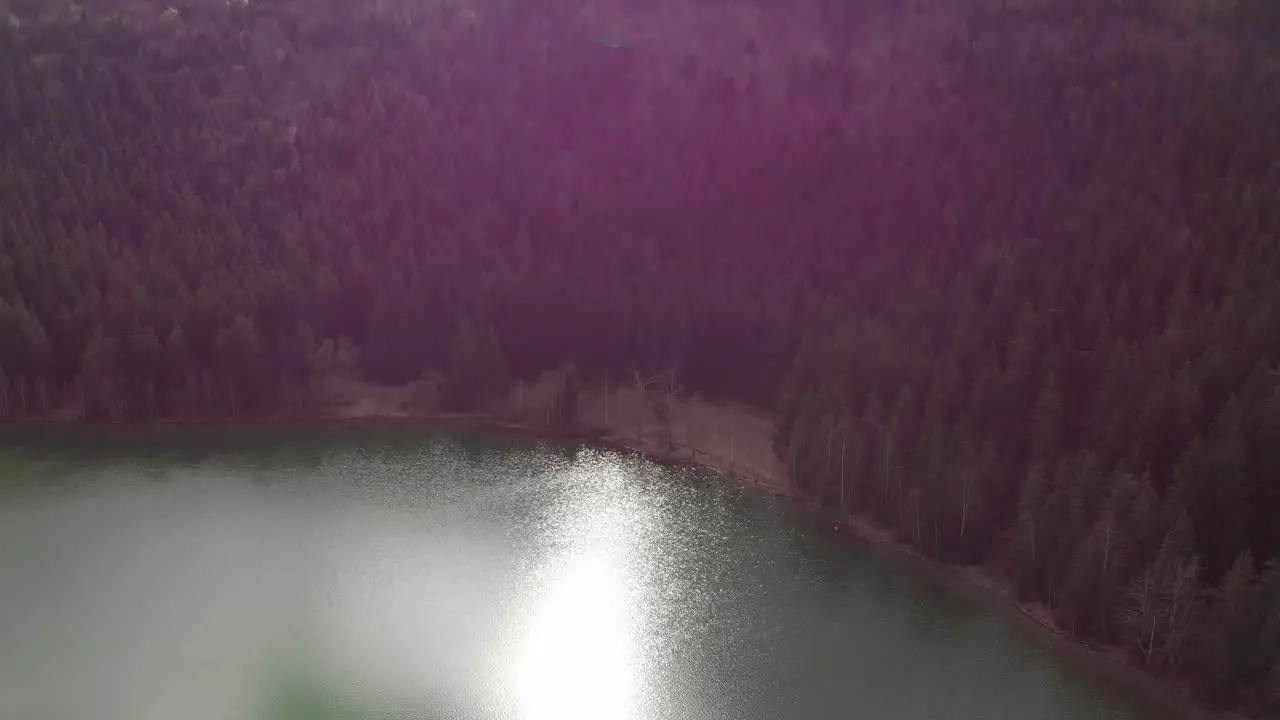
[(1007, 271)]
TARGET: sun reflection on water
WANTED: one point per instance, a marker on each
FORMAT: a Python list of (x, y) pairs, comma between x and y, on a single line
[(578, 657), (577, 661)]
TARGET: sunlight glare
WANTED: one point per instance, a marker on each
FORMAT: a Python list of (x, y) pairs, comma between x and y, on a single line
[(578, 657), (577, 661)]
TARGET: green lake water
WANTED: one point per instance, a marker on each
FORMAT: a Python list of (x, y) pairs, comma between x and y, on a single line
[(399, 572)]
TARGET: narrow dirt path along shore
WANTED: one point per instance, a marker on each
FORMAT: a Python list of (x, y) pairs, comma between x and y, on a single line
[(731, 440)]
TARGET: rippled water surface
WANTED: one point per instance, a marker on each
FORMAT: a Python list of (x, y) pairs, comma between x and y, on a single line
[(396, 572)]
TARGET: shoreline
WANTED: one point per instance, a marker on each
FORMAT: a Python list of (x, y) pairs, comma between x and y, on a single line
[(981, 586), (976, 582)]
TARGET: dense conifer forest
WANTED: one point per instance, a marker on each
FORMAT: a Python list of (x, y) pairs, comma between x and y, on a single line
[(1007, 272)]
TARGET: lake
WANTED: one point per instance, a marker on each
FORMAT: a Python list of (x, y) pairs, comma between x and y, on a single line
[(371, 571)]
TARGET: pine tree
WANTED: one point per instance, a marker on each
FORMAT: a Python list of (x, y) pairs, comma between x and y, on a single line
[(1047, 423), (1228, 655), (898, 439), (564, 408), (1026, 552), (175, 374), (1099, 568), (1164, 601), (477, 374)]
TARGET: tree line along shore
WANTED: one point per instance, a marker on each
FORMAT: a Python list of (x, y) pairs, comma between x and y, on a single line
[(998, 278)]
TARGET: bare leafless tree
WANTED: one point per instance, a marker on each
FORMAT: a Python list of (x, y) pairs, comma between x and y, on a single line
[(845, 430)]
